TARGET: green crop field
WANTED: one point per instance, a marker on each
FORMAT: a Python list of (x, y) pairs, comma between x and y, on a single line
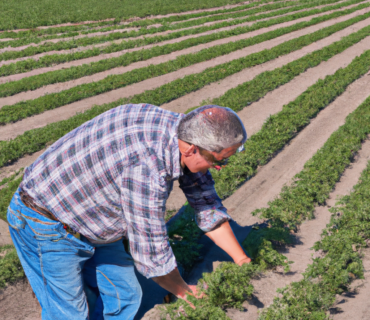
[(298, 74)]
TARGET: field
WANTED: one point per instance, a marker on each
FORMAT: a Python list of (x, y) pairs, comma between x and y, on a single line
[(298, 74)]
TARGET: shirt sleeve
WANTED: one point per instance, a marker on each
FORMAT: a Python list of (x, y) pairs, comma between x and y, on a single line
[(143, 198), (200, 192)]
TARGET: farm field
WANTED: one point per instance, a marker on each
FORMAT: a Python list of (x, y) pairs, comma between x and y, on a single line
[(297, 73)]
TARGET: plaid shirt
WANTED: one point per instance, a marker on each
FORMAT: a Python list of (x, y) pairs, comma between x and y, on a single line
[(111, 177)]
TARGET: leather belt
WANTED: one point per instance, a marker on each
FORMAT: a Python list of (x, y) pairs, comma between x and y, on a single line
[(29, 202)]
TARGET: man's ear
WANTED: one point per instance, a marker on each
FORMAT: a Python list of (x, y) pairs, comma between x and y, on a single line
[(189, 151)]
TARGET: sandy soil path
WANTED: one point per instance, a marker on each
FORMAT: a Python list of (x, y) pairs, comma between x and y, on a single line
[(37, 56), (180, 105), (153, 60)]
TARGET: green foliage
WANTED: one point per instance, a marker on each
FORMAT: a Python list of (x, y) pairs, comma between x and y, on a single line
[(37, 81), (19, 14), (10, 267), (71, 44), (184, 235), (300, 300), (6, 195), (261, 245), (227, 287), (109, 25), (165, 27)]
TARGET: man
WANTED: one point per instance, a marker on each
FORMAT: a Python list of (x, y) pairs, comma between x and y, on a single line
[(107, 180)]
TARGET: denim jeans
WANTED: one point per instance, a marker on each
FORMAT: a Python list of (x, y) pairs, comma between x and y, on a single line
[(62, 268)]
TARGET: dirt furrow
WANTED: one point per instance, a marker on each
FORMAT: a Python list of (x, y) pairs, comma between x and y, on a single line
[(53, 88), (309, 233), (37, 56)]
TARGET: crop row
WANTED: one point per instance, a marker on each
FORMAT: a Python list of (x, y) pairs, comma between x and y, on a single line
[(115, 24), (165, 27), (63, 45), (66, 45), (180, 25), (30, 64), (34, 82), (36, 139), (183, 86), (303, 300), (45, 13), (343, 239)]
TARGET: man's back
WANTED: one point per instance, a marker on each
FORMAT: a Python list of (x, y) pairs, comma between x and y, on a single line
[(80, 177)]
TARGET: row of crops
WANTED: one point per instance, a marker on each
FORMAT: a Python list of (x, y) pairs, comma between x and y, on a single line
[(229, 285)]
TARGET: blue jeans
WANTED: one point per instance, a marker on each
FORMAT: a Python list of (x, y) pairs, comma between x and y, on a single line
[(62, 268)]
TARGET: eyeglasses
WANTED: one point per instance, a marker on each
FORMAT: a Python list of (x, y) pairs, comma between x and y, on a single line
[(212, 160)]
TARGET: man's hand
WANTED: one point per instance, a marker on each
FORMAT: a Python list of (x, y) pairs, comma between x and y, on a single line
[(174, 283), (244, 260)]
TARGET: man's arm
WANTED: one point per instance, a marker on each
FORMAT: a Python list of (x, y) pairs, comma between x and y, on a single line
[(211, 215), (174, 283), (223, 236)]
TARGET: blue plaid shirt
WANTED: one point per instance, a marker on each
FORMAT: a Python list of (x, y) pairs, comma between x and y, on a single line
[(111, 177)]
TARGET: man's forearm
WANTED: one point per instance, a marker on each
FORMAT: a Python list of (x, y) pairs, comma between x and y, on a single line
[(224, 237), (174, 283)]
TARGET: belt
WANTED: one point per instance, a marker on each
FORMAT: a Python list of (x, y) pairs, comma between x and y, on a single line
[(29, 202)]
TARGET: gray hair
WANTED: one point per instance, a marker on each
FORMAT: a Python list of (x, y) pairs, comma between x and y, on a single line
[(212, 128)]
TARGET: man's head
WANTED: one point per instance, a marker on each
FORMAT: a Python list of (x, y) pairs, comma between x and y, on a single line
[(209, 134)]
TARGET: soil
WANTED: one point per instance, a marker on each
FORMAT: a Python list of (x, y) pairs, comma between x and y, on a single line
[(4, 234), (18, 303)]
